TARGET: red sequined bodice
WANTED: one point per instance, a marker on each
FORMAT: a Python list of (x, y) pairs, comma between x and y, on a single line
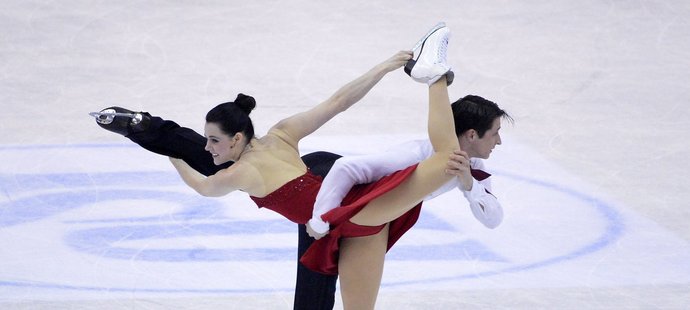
[(294, 200)]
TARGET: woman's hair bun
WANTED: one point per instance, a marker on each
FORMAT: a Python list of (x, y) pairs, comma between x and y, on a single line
[(245, 103)]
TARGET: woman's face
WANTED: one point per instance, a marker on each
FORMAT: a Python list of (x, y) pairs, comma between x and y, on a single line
[(219, 144)]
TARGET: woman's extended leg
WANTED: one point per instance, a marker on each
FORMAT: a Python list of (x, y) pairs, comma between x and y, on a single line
[(360, 267), (429, 175), (361, 259)]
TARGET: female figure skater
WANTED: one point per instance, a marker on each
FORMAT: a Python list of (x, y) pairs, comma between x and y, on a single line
[(373, 216)]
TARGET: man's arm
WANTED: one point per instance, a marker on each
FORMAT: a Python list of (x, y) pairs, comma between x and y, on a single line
[(351, 170), (484, 205)]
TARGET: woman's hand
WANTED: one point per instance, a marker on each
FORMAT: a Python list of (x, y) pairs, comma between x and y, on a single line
[(396, 61)]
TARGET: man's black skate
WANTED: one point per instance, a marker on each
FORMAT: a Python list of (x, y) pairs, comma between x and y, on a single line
[(122, 121)]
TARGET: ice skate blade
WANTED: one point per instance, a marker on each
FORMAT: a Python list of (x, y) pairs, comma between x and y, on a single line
[(107, 116), (102, 114)]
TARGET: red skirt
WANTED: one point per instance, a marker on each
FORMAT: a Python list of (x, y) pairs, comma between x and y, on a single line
[(322, 255)]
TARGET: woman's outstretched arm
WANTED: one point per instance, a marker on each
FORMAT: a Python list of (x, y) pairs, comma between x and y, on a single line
[(298, 126), (219, 184)]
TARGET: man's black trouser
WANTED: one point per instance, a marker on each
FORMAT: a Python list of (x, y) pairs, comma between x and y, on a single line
[(313, 290)]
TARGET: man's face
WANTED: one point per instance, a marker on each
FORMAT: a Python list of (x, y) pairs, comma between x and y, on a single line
[(482, 147)]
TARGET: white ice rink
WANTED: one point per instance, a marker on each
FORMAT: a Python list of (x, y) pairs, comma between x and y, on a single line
[(593, 176)]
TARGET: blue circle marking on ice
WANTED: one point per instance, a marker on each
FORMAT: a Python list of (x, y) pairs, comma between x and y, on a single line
[(614, 228), (100, 240)]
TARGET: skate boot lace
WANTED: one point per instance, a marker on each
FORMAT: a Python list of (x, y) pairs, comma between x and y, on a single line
[(441, 52)]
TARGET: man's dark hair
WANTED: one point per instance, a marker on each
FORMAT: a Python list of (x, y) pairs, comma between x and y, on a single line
[(475, 112)]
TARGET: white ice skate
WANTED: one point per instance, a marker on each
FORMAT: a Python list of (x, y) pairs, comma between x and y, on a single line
[(428, 63)]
